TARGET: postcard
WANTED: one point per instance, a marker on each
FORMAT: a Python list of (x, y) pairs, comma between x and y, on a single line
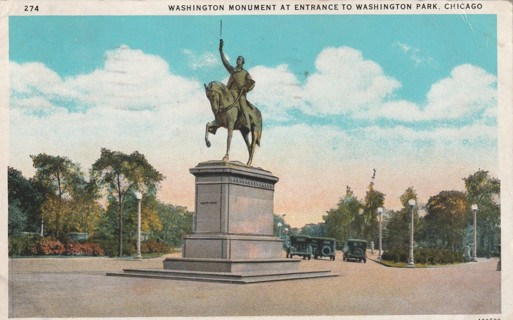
[(183, 158)]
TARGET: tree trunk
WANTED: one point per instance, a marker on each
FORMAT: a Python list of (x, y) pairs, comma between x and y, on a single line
[(120, 230)]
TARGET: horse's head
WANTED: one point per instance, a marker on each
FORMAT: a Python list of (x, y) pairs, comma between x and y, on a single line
[(218, 95)]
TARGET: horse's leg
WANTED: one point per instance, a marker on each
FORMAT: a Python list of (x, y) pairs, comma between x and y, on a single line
[(228, 142), (207, 127), (245, 135), (254, 136)]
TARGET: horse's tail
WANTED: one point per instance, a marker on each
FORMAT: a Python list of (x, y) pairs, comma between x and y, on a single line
[(259, 126)]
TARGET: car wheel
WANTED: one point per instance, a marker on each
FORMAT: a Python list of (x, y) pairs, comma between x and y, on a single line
[(364, 260), (309, 257), (326, 251)]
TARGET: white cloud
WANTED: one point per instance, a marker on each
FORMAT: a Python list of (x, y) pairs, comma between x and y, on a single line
[(414, 54), (314, 163), (467, 91), (24, 79), (346, 83), (277, 91), (201, 60)]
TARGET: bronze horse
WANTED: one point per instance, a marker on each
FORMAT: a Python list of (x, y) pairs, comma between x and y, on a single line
[(227, 114)]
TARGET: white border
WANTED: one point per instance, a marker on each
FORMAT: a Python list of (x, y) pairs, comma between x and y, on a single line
[(503, 10)]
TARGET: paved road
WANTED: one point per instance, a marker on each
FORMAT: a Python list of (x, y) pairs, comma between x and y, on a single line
[(78, 287)]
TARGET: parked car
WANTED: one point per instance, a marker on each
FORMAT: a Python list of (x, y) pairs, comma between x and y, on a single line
[(355, 249), (299, 246), (323, 247)]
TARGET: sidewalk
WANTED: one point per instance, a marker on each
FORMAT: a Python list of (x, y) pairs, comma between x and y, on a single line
[(78, 287)]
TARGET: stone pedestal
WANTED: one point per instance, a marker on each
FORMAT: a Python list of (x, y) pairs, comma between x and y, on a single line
[(232, 239), (233, 222)]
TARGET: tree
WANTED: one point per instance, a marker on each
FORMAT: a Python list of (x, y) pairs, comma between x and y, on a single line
[(484, 190), (314, 230), (373, 200), (280, 218), (398, 225), (445, 221), (176, 223), (61, 179), (122, 174), (344, 222), (24, 201)]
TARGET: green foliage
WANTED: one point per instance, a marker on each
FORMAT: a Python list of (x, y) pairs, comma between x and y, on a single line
[(280, 219), (445, 221), (24, 199), (154, 246), (373, 200), (120, 175), (484, 191), (58, 174), (424, 256), (110, 247), (17, 219), (23, 245), (313, 230), (69, 200), (176, 223), (398, 224), (345, 221)]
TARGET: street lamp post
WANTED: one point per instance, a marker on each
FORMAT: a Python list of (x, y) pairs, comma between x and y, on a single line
[(138, 195), (411, 260), (474, 208), (380, 214), (279, 229)]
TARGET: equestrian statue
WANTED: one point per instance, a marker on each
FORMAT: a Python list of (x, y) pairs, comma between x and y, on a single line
[(231, 108)]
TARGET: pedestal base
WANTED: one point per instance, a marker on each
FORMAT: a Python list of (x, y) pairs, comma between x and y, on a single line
[(237, 277), (229, 246), (232, 239)]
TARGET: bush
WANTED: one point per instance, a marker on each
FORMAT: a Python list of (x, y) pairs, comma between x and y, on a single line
[(110, 247), (84, 249), (424, 256), (396, 255), (23, 245), (50, 246), (35, 245), (151, 246)]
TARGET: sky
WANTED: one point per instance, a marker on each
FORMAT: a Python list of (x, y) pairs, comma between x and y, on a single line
[(412, 96)]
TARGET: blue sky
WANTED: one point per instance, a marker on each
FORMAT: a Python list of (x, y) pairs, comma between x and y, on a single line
[(437, 43), (401, 93)]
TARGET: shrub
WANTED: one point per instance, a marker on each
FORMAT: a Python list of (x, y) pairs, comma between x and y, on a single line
[(23, 245), (84, 249), (110, 247), (35, 245), (151, 246), (424, 256), (50, 246)]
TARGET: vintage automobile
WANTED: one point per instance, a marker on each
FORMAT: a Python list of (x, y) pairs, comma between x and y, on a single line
[(323, 247), (299, 246), (355, 249)]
